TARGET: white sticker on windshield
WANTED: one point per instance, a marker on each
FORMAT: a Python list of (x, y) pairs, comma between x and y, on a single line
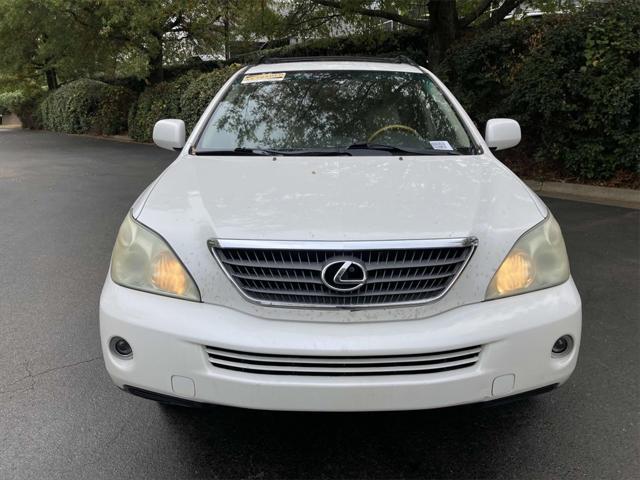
[(264, 77), (441, 145)]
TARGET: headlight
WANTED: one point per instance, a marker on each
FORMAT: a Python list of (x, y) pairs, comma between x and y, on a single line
[(537, 260), (142, 260)]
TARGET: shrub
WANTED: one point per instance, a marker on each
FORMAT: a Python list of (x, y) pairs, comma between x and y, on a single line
[(579, 91), (155, 103), (86, 106), (185, 98), (572, 81), (111, 114), (481, 68), (201, 91)]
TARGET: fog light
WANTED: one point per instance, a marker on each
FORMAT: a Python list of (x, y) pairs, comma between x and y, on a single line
[(121, 347), (563, 346)]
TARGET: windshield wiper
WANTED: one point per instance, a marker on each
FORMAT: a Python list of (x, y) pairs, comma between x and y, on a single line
[(235, 151), (271, 151), (309, 152), (396, 149)]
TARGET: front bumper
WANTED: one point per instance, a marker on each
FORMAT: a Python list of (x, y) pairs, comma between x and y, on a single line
[(168, 338)]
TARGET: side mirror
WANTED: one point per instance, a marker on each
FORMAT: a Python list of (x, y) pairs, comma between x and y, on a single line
[(502, 133), (170, 134)]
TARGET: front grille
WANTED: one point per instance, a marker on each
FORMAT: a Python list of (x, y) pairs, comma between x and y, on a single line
[(330, 366), (290, 274)]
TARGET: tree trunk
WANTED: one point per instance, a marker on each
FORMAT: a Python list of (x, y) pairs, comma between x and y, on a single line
[(227, 33), (443, 16), (156, 61), (52, 78), (156, 73), (227, 45)]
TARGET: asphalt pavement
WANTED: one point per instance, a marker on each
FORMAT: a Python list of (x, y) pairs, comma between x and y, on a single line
[(62, 199)]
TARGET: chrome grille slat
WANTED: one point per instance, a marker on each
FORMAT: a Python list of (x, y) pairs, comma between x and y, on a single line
[(287, 278), (343, 360), (275, 291), (278, 273), (305, 365), (273, 264), (415, 264)]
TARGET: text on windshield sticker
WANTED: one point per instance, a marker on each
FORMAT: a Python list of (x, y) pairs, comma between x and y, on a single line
[(263, 77), (441, 145)]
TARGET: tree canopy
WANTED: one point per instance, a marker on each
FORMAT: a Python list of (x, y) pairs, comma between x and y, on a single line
[(61, 40), (442, 21), (67, 39)]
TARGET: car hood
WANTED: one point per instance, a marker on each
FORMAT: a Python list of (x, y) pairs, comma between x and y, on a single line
[(341, 199), (338, 198)]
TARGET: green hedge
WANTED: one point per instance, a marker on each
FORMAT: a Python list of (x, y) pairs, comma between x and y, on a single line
[(200, 92), (185, 98), (86, 106), (572, 81), (481, 69), (155, 103)]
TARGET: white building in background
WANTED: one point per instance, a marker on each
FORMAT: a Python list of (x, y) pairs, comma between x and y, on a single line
[(526, 10)]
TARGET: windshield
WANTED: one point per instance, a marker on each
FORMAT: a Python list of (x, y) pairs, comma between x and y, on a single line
[(334, 112)]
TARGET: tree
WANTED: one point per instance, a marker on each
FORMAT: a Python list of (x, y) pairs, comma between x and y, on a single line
[(40, 38), (146, 27), (61, 40), (154, 28), (442, 21)]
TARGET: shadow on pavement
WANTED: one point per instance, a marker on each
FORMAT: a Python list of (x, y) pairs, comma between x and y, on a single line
[(437, 443)]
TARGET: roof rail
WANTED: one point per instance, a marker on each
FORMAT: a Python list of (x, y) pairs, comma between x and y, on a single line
[(336, 58)]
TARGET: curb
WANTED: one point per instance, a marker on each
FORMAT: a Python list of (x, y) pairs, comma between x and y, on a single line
[(620, 197), (112, 138)]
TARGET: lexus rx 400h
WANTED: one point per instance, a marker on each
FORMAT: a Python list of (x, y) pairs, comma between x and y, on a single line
[(336, 235)]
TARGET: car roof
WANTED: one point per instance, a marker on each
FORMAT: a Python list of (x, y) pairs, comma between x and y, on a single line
[(397, 64)]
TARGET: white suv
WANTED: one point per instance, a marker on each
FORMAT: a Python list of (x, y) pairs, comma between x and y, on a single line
[(336, 235)]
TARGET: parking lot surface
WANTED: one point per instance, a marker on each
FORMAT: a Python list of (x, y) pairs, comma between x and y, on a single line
[(62, 199)]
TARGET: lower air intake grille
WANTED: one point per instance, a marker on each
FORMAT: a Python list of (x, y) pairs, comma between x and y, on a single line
[(303, 273), (330, 366)]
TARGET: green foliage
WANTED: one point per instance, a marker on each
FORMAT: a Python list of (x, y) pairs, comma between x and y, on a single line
[(59, 41), (572, 81), (185, 98), (381, 44), (52, 38), (155, 103), (481, 69), (9, 101), (86, 106), (24, 103), (111, 114), (201, 91)]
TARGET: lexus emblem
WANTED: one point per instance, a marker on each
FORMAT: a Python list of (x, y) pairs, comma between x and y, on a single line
[(344, 275)]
